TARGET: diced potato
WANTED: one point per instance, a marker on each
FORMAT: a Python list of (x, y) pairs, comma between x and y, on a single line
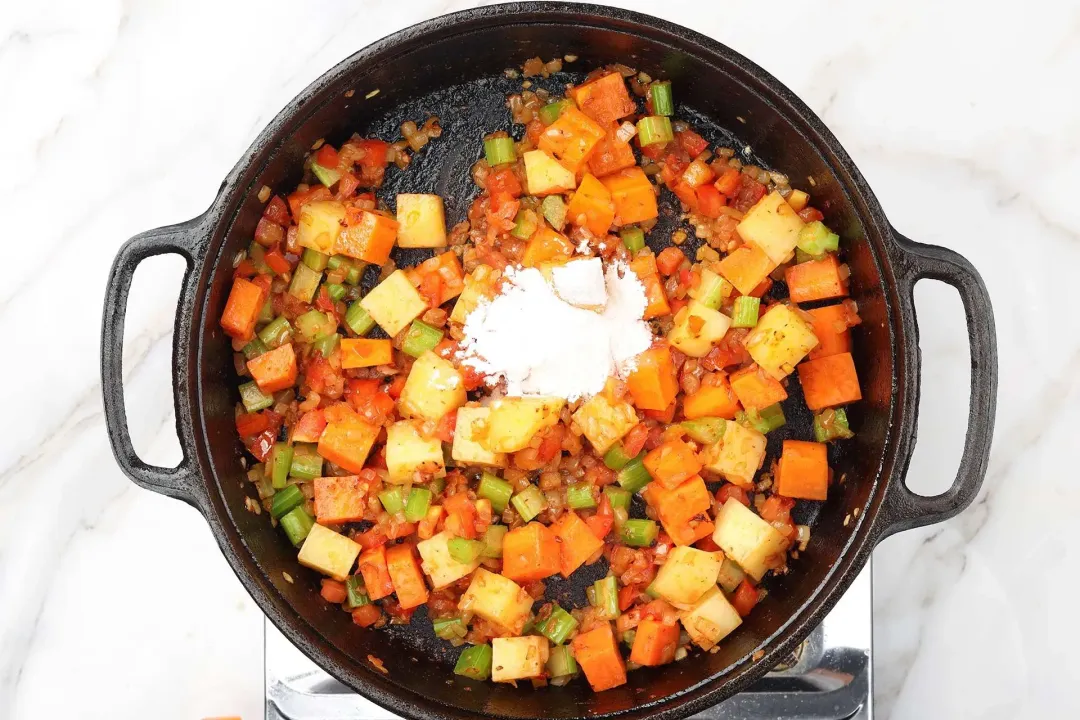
[(696, 328), (472, 424), (320, 224), (421, 221), (394, 303), (411, 456), (710, 620), (434, 387), (437, 563), (773, 226), (518, 658), (513, 421), (780, 341), (748, 540), (738, 455), (604, 424), (497, 599), (329, 552), (478, 286), (544, 175), (686, 575)]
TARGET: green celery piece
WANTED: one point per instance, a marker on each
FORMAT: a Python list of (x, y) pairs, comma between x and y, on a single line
[(285, 500), (266, 313), (306, 462), (618, 497), (359, 319), (493, 541), (557, 626), (499, 151), (616, 458), (524, 224), (254, 349), (764, 420), (463, 550), (277, 333), (604, 595), (634, 476), (662, 101), (529, 503), (253, 398), (579, 496), (304, 283), (633, 238), (815, 239), (561, 662), (353, 275), (832, 425), (420, 338), (705, 430), (281, 462), (639, 533), (356, 594), (327, 344), (417, 505), (712, 290), (315, 260), (654, 130), (335, 291), (314, 324), (474, 662), (337, 261), (450, 628), (551, 112), (495, 489), (554, 209), (326, 176), (392, 500), (745, 313), (296, 524)]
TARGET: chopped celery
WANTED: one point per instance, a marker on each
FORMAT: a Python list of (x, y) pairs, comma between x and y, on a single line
[(304, 283), (651, 592), (315, 260), (639, 533), (557, 626), (654, 130), (705, 430), (474, 662), (253, 398), (579, 496), (296, 524), (499, 151), (285, 500), (257, 256), (495, 489), (420, 338), (306, 463), (393, 500), (712, 290), (604, 595), (417, 505), (616, 458), (524, 224), (280, 462), (745, 314), (634, 476), (353, 275), (529, 502), (731, 575), (618, 497), (764, 420), (355, 593), (802, 256), (335, 291), (551, 112), (832, 425), (436, 486), (561, 662), (327, 176), (816, 239), (337, 261), (633, 238), (452, 628), (554, 209), (662, 101), (313, 324), (327, 344), (493, 541), (358, 319), (463, 550), (266, 313), (277, 333), (254, 349)]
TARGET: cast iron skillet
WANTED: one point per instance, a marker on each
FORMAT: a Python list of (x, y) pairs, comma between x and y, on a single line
[(452, 67)]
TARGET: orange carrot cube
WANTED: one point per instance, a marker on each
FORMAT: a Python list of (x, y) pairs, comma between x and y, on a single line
[(611, 154), (683, 511), (531, 553), (368, 236), (340, 499), (717, 400), (816, 280), (571, 139), (755, 389), (652, 384), (604, 99), (362, 352), (831, 324), (746, 268), (547, 246), (634, 196), (654, 642), (803, 471), (274, 370), (404, 569), (672, 463), (242, 309), (644, 266), (598, 655), (591, 206), (577, 543), (829, 381), (377, 581), (348, 442)]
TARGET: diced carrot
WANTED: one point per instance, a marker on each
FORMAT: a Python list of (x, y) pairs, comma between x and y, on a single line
[(460, 515), (746, 267), (755, 389), (669, 260), (571, 139), (664, 416), (598, 655), (712, 401), (815, 280), (611, 154), (829, 381), (547, 246), (340, 499), (672, 463), (687, 194), (252, 424), (348, 443), (652, 384), (377, 580), (644, 266), (363, 352), (604, 99), (242, 309), (591, 206), (728, 182), (830, 324), (404, 569), (709, 201), (425, 529), (633, 195), (683, 511), (761, 288), (366, 615), (368, 236), (654, 643), (274, 370), (804, 471), (309, 427), (745, 598), (276, 261), (577, 542), (333, 591), (531, 553), (447, 268), (600, 523)]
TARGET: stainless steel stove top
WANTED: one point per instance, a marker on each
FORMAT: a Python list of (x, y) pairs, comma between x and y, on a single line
[(829, 678)]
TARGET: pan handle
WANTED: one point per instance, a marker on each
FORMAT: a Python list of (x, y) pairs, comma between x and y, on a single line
[(904, 509), (187, 240)]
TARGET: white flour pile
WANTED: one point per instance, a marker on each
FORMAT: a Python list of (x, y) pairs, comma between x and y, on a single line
[(543, 345)]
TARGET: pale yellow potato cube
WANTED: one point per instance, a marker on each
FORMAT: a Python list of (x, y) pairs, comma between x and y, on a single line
[(697, 328), (394, 303), (497, 599), (478, 287), (518, 658), (472, 423), (434, 387), (773, 226), (686, 575), (544, 175), (513, 421), (421, 221), (411, 456), (710, 619), (738, 455), (781, 339), (320, 224), (329, 552), (747, 539), (604, 424), (437, 563)]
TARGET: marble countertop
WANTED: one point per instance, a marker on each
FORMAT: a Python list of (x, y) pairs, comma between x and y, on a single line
[(123, 116)]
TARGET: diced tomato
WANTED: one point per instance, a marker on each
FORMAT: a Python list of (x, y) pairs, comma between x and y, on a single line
[(654, 152), (445, 429), (268, 233), (366, 615), (431, 289), (627, 595), (669, 259), (691, 142), (748, 193), (301, 197), (333, 591), (551, 445), (347, 186), (261, 445), (397, 385), (777, 509), (761, 288), (655, 438), (686, 193), (709, 201), (675, 164), (746, 597), (730, 490), (728, 182), (324, 302), (371, 538), (277, 211), (472, 377), (504, 182), (251, 424), (460, 515), (676, 305), (729, 351), (634, 440), (707, 544), (601, 522), (245, 269), (327, 157), (810, 214), (533, 131), (277, 262), (375, 152)]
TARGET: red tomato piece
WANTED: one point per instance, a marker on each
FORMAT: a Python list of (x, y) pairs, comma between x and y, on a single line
[(277, 211), (327, 157)]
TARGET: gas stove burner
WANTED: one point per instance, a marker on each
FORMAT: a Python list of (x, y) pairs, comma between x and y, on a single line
[(828, 677)]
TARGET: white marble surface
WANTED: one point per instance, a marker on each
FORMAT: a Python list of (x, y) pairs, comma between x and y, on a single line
[(122, 116)]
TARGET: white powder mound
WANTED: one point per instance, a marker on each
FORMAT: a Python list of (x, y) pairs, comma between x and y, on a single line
[(581, 283), (542, 345)]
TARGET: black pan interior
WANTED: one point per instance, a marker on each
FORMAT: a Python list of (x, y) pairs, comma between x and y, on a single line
[(458, 76)]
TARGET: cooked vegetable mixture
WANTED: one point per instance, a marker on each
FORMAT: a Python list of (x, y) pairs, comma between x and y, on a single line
[(407, 480)]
